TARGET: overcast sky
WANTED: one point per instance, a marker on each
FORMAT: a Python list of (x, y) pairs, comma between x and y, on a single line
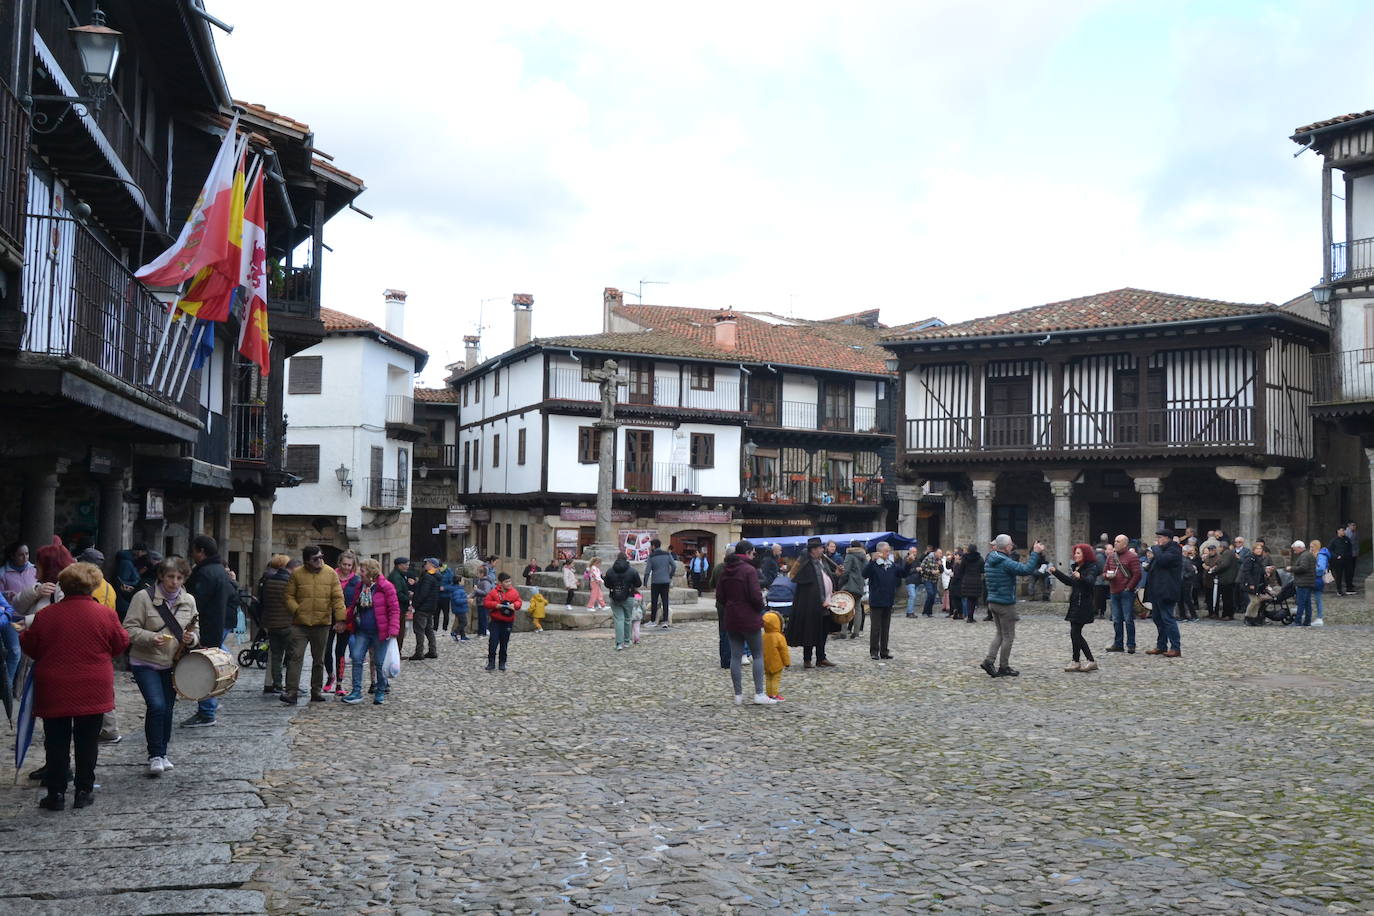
[(948, 158)]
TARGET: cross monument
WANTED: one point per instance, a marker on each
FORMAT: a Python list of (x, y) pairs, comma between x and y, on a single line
[(609, 379)]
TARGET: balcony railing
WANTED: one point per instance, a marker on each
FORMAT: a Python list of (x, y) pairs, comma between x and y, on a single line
[(865, 419), (568, 385), (51, 21), (384, 493), (1353, 260), (436, 456), (1181, 427), (212, 444), (1343, 377), (14, 134), (82, 301), (291, 291), (400, 409), (250, 433), (657, 477), (805, 489)]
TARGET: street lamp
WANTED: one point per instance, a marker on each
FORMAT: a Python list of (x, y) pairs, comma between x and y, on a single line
[(1321, 295), (892, 363), (341, 472), (98, 46)]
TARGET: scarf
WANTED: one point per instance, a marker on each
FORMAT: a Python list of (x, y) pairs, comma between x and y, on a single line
[(169, 597)]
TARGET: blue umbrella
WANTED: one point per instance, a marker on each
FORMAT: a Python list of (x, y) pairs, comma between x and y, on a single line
[(23, 732)]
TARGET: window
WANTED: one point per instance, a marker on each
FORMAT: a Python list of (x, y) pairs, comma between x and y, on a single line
[(496, 384), (704, 378), (467, 454), (841, 475), (509, 528), (839, 405), (588, 445), (402, 468), (1008, 412), (465, 395), (476, 454), (520, 446), (587, 370), (703, 453), (305, 374), (477, 391), (1012, 520), (641, 373), (1126, 406), (524, 541), (496, 450), (304, 462)]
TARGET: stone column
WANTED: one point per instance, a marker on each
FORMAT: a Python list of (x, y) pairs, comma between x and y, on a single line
[(197, 523), (605, 547), (262, 535), (907, 501), (983, 493), (222, 518), (39, 506), (950, 533), (1369, 457), (1251, 490), (112, 515), (1061, 490), (1149, 489)]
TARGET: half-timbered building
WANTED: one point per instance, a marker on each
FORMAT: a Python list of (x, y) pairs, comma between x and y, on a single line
[(1112, 413)]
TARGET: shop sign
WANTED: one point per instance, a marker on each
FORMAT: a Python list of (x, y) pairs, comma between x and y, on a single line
[(580, 514), (699, 517), (458, 519), (635, 543), (152, 505), (102, 461), (565, 543), (481, 515)]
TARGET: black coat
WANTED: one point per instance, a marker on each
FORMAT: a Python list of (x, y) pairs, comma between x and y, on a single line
[(883, 581), (810, 620), (425, 598), (971, 581), (1081, 608), (215, 595), (1166, 575)]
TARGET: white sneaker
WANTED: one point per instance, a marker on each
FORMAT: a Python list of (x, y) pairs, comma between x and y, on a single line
[(155, 766), (1318, 623), (764, 699), (167, 764), (739, 699), (747, 660), (1088, 666), (1074, 666), (567, 607)]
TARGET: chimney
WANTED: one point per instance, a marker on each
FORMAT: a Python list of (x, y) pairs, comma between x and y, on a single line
[(727, 329), (524, 314), (613, 299), (395, 312), (470, 344)]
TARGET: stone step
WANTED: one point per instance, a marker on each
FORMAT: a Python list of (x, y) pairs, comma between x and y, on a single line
[(554, 580), (149, 903), (582, 619), (676, 596)]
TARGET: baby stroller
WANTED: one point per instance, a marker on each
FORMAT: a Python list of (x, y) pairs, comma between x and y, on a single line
[(1274, 605), (258, 648)]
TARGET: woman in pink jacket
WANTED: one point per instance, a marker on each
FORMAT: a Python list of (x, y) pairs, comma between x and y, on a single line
[(374, 619)]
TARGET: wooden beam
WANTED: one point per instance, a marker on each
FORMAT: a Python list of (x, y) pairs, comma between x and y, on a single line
[(1326, 221)]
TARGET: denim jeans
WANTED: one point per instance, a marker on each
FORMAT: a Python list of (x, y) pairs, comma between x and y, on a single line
[(208, 707), (968, 607), (358, 646), (620, 610), (1163, 615), (1304, 618), (932, 595), (499, 641), (156, 687), (754, 643), (1317, 599), (1123, 614), (911, 599), (11, 637)]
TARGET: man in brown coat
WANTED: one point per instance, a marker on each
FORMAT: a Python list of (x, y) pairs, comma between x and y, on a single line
[(316, 602)]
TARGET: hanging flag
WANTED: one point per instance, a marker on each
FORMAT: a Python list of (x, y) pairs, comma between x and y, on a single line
[(212, 291), (254, 342), (205, 236), (204, 344)]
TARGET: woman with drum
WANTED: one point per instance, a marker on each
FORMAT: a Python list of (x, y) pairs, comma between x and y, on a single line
[(162, 623), (810, 624)]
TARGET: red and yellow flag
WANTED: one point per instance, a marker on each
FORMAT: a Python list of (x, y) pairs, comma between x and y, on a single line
[(254, 341), (212, 292)]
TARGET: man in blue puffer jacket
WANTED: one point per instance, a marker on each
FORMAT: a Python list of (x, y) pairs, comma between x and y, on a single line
[(999, 575)]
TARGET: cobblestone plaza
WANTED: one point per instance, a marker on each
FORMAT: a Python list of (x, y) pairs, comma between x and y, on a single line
[(1236, 779)]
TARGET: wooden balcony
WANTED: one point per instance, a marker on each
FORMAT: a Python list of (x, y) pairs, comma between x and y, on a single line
[(806, 415), (400, 419), (802, 489), (1219, 428), (657, 477), (721, 397), (1343, 378), (14, 133)]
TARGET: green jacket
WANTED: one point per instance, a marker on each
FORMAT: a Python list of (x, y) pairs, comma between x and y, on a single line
[(398, 579)]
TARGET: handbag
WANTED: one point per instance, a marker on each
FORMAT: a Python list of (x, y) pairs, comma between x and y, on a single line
[(1328, 578), (1141, 610), (391, 659)]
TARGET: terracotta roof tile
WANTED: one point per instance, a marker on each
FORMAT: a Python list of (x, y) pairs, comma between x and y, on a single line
[(436, 395), (337, 321), (333, 169), (1118, 308), (1339, 119), (266, 114)]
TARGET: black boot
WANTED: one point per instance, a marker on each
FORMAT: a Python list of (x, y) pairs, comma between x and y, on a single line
[(53, 801), (83, 799)]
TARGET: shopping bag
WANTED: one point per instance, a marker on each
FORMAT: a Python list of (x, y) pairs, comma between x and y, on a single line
[(391, 659)]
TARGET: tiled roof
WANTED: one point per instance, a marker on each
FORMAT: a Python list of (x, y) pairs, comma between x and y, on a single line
[(1118, 308), (436, 395), (264, 113), (1339, 119), (761, 338), (342, 322), (333, 169)]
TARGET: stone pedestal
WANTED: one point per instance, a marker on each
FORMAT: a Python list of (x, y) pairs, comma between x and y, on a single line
[(908, 496), (983, 493), (1248, 525)]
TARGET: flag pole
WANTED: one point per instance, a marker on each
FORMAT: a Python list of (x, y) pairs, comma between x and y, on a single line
[(193, 349), (176, 352), (161, 344)]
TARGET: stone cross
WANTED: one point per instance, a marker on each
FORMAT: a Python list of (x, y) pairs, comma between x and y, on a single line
[(610, 380)]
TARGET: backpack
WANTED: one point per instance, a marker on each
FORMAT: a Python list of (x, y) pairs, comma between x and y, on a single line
[(620, 592)]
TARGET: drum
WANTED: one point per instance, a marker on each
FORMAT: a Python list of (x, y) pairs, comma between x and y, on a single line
[(841, 605), (204, 673)]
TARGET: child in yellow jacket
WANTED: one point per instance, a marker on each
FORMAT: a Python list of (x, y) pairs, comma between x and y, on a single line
[(538, 604), (775, 655)]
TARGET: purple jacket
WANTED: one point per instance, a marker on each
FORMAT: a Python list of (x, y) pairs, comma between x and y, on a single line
[(17, 580), (738, 592)]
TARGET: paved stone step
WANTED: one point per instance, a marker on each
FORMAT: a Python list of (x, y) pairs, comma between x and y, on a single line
[(36, 829), (79, 880), (169, 853), (151, 903), (582, 619)]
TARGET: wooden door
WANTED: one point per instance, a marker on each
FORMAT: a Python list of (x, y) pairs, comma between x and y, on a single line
[(639, 460), (374, 477), (1008, 412), (641, 373), (764, 399)]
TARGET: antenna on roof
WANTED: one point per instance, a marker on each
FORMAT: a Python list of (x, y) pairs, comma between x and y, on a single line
[(480, 306), (642, 283)]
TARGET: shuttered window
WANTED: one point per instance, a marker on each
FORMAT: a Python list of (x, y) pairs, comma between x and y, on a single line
[(703, 450), (496, 450), (304, 462), (588, 445), (305, 374), (520, 446)]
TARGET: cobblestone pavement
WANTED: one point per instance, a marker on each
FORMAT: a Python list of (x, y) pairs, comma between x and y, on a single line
[(1234, 779)]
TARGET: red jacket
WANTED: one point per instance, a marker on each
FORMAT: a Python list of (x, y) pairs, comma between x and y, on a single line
[(1127, 566), (71, 644), (499, 596)]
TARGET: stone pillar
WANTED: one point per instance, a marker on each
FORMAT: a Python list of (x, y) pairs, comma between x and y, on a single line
[(949, 531), (1061, 490), (1149, 489), (605, 547), (983, 493), (39, 506), (197, 523), (1369, 580), (221, 535), (1251, 490), (111, 539), (262, 536), (908, 496)]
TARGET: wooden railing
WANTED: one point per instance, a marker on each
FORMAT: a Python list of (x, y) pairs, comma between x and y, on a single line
[(723, 395), (1222, 425), (291, 291), (1343, 377), (14, 137), (803, 489)]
